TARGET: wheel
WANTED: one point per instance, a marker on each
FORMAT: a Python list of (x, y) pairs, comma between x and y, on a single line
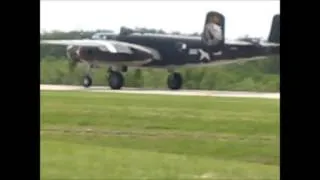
[(116, 80), (87, 81), (174, 81)]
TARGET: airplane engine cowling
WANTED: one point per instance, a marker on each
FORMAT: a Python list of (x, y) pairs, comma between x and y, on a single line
[(73, 57), (86, 53), (72, 53)]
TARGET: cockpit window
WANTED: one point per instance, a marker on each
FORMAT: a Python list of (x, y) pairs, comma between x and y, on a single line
[(95, 36), (101, 36)]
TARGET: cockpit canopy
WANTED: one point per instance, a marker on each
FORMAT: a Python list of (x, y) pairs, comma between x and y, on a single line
[(103, 36), (124, 31)]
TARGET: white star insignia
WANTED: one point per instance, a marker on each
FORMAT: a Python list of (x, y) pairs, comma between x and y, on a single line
[(204, 56)]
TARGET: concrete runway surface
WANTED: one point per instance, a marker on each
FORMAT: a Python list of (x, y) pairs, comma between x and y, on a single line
[(162, 92)]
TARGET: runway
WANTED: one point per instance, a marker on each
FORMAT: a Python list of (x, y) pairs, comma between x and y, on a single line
[(162, 92)]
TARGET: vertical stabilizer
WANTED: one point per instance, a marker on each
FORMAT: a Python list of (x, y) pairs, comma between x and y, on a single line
[(216, 18), (274, 35), (213, 35)]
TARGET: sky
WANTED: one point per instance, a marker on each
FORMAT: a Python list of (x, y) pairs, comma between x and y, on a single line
[(251, 18)]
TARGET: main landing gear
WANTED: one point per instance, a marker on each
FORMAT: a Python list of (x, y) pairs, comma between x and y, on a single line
[(116, 80), (174, 80)]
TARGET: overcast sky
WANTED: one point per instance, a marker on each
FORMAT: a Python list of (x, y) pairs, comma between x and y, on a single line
[(242, 17)]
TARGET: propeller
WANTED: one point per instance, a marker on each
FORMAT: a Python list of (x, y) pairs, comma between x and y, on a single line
[(73, 57)]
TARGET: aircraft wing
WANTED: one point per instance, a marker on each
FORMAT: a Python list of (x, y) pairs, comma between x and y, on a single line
[(244, 43), (104, 45), (227, 62)]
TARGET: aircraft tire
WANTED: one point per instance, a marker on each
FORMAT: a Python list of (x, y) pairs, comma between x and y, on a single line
[(115, 80), (87, 81), (174, 81)]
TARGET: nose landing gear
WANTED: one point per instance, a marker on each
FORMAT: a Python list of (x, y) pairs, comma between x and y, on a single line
[(87, 81)]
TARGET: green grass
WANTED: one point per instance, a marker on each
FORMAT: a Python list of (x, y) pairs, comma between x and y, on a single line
[(89, 135)]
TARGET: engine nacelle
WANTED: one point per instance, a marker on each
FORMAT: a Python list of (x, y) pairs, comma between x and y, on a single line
[(72, 53), (86, 53), (76, 53)]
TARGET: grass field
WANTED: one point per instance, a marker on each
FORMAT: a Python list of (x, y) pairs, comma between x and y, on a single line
[(87, 135)]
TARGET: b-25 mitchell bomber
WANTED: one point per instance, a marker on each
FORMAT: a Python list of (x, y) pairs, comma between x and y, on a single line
[(129, 48)]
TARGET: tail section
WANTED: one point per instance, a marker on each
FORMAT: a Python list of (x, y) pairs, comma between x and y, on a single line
[(274, 35), (218, 19), (213, 35)]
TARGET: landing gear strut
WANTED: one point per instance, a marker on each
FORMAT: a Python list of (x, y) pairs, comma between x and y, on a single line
[(87, 80), (116, 79), (174, 81)]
